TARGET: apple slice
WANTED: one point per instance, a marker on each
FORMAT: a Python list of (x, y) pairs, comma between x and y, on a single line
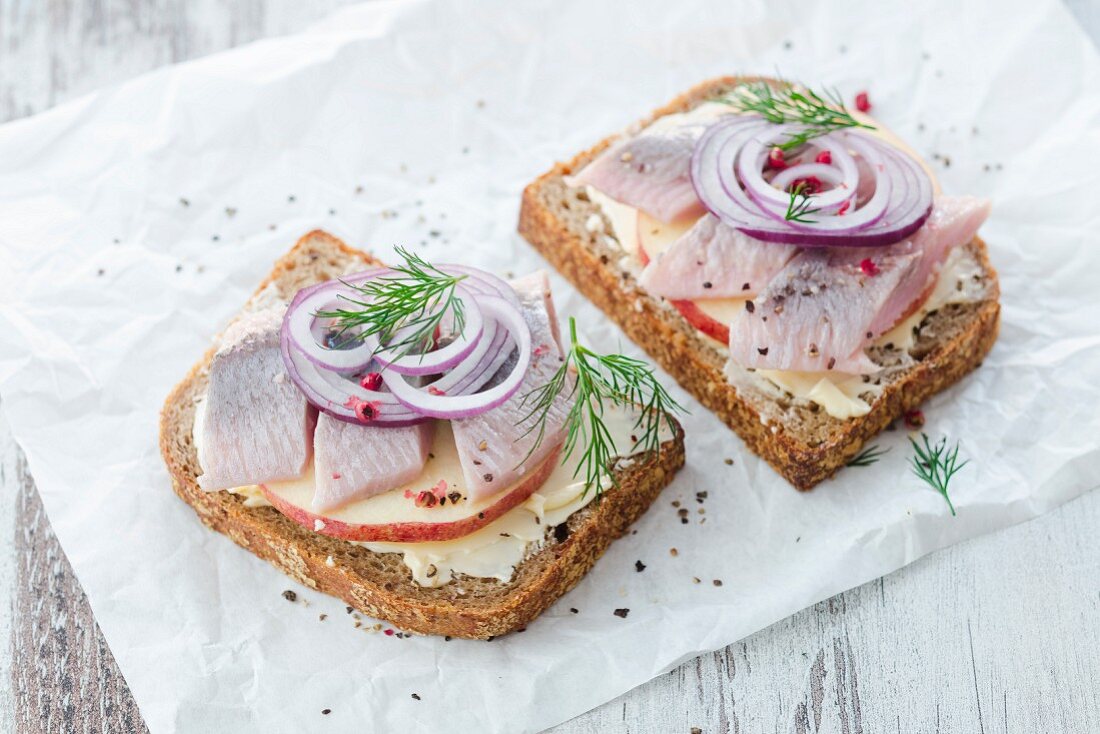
[(712, 316), (394, 515)]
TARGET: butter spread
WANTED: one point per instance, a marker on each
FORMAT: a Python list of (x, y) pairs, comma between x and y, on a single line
[(837, 394), (252, 494)]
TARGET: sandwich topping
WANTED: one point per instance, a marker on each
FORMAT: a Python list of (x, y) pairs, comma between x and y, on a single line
[(419, 408), (813, 237)]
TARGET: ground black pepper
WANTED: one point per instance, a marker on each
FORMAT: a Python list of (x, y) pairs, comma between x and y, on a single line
[(290, 595), (639, 566), (621, 612)]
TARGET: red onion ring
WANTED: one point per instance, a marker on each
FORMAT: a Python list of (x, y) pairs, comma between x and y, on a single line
[(435, 402), (325, 375), (726, 171), (339, 396), (483, 282), (437, 360), (300, 322)]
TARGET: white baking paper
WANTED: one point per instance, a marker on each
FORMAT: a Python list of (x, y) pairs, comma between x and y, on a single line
[(135, 221)]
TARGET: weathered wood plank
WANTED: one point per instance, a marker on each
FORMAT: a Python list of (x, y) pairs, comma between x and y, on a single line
[(63, 675), (57, 50)]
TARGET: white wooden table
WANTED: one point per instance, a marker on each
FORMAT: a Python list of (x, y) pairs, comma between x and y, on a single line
[(1000, 634)]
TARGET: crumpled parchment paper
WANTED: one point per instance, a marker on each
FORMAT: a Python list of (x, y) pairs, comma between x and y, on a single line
[(135, 221)]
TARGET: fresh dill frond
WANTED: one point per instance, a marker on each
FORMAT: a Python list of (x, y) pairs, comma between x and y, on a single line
[(408, 306), (799, 207), (599, 380), (819, 113), (935, 464), (868, 456)]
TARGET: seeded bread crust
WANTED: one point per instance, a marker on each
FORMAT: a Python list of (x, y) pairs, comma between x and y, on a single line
[(800, 441), (379, 584)]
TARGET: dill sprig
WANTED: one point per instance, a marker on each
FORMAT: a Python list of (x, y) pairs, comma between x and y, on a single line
[(820, 113), (935, 464), (868, 456), (598, 380), (414, 302), (799, 206)]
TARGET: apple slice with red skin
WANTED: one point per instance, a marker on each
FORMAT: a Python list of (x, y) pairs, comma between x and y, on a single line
[(463, 518)]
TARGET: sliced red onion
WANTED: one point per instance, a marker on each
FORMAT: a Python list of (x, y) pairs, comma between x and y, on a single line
[(480, 281), (842, 173), (437, 360), (339, 396), (300, 322), (328, 377), (727, 172), (435, 402)]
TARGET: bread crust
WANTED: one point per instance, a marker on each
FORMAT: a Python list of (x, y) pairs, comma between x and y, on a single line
[(378, 584), (696, 365)]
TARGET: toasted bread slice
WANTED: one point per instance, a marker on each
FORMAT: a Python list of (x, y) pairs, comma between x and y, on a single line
[(379, 584), (803, 443)]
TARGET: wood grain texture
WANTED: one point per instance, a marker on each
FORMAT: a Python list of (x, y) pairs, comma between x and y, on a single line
[(64, 676), (999, 634)]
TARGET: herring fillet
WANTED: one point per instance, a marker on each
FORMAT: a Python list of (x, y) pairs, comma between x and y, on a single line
[(492, 446), (255, 425), (353, 462), (714, 260), (954, 221), (823, 308), (651, 170)]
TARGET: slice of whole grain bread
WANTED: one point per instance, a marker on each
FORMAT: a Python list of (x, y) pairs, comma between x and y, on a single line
[(800, 440), (379, 584)]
